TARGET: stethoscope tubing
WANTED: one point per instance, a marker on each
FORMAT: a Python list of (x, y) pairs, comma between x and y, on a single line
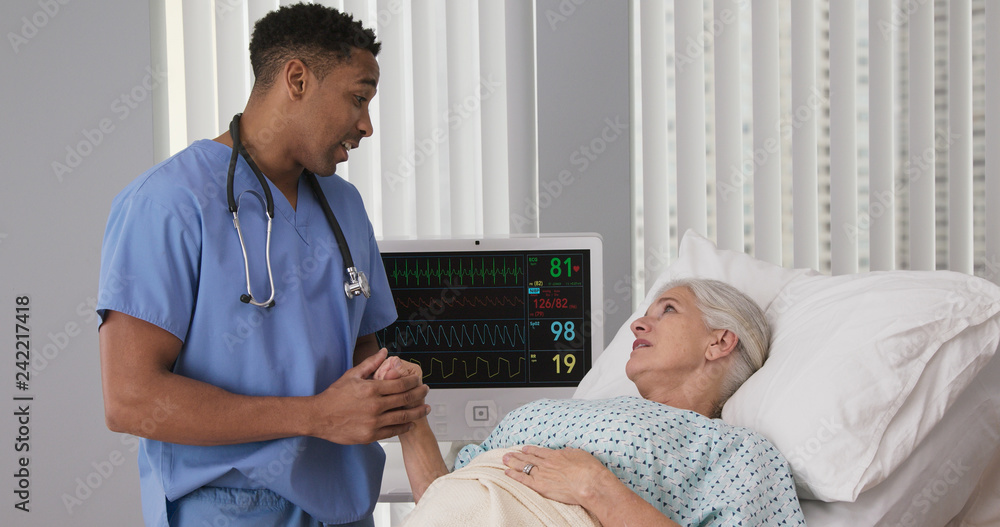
[(357, 283), (248, 298)]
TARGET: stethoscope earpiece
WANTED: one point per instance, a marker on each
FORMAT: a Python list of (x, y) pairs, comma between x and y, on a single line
[(357, 283)]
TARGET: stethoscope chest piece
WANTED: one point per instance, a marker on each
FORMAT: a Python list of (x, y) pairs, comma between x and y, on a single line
[(358, 285)]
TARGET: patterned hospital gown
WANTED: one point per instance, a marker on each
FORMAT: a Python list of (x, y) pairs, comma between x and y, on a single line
[(696, 470)]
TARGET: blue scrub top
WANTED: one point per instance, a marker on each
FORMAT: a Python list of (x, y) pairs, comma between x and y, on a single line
[(171, 257)]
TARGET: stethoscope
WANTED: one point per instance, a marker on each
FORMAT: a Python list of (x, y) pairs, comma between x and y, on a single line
[(357, 283)]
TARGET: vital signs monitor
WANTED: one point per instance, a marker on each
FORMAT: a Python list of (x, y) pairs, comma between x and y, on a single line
[(494, 323)]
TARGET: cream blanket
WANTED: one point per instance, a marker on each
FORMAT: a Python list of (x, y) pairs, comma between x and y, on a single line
[(480, 494)]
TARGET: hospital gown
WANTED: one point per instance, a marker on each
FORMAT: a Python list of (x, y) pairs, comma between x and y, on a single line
[(696, 470)]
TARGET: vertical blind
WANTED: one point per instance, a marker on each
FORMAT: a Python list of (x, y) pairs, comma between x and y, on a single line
[(728, 127), (804, 160), (920, 85), (882, 139), (992, 145), (847, 150), (440, 167)]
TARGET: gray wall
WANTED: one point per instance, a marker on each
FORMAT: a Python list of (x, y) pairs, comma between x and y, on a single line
[(70, 68), (583, 136)]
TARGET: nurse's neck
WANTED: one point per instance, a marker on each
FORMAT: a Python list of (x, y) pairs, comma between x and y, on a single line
[(263, 132)]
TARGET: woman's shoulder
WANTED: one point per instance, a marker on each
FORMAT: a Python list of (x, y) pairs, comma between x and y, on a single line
[(738, 442)]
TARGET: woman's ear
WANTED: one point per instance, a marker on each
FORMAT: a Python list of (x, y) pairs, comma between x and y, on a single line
[(722, 345)]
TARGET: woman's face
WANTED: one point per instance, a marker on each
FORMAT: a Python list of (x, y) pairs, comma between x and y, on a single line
[(671, 342)]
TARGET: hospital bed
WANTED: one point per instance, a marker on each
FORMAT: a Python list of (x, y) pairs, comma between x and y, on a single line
[(882, 389)]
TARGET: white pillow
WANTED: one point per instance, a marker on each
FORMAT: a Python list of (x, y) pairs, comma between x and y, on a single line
[(837, 394), (940, 476), (983, 507), (698, 257), (862, 367)]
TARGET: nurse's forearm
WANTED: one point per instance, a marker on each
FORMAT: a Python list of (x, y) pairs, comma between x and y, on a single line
[(364, 347), (177, 409), (143, 397), (421, 457)]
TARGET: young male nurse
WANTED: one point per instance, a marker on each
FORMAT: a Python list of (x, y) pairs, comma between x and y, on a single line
[(257, 415)]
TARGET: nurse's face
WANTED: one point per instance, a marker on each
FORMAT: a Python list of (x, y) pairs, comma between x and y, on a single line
[(337, 112), (671, 341)]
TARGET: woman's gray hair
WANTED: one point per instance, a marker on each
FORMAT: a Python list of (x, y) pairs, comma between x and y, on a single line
[(723, 306)]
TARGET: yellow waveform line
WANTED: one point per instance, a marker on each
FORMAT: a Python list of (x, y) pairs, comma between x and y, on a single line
[(489, 373)]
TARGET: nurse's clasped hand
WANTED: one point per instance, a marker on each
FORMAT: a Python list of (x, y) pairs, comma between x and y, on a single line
[(359, 408)]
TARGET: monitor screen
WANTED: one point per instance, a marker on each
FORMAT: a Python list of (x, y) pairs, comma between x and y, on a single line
[(493, 323)]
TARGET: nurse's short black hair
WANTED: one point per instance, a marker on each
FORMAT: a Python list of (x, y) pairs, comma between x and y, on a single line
[(319, 36)]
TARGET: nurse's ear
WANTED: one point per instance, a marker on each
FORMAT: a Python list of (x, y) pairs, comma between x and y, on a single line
[(295, 79), (722, 344)]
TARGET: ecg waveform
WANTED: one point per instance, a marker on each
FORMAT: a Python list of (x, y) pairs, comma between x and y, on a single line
[(477, 337), (459, 369), (450, 272), (482, 304)]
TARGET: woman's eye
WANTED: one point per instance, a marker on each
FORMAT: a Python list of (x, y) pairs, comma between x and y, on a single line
[(668, 308), (360, 100)]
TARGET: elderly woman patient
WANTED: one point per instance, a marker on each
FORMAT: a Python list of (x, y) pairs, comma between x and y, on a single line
[(665, 459)]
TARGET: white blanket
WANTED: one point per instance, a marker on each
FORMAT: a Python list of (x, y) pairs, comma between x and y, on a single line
[(481, 494)]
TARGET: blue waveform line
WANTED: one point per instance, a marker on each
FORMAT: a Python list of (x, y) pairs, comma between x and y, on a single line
[(479, 335)]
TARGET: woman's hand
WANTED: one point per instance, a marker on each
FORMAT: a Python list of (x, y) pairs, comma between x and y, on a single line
[(421, 455), (567, 475), (575, 477), (396, 368)]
